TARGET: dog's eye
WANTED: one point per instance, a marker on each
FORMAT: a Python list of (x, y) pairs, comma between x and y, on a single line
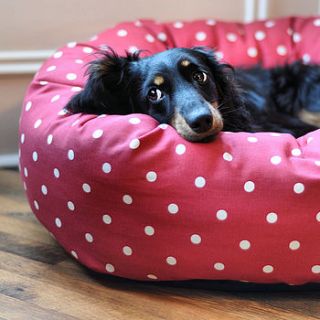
[(200, 77), (154, 94)]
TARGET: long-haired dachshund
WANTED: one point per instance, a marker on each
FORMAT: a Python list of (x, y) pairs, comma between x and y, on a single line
[(190, 90)]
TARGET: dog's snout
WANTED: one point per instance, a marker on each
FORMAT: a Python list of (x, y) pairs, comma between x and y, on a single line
[(201, 123)]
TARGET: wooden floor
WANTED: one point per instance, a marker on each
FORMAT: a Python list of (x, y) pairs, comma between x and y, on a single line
[(39, 281)]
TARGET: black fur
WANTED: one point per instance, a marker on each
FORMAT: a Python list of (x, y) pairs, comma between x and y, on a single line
[(254, 99)]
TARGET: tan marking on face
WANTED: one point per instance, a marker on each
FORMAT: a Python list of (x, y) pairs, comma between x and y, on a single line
[(158, 80), (182, 127), (185, 63), (312, 118)]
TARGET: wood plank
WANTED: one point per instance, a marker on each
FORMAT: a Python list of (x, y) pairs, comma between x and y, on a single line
[(14, 309)]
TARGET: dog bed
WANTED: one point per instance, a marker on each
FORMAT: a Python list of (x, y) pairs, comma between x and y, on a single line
[(127, 196)]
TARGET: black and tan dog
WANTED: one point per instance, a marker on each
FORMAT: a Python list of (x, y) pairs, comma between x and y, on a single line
[(190, 90)]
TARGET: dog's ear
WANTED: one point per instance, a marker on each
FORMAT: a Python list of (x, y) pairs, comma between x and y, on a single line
[(231, 100), (107, 89)]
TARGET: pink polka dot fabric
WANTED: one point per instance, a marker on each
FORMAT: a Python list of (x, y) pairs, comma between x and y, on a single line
[(127, 196)]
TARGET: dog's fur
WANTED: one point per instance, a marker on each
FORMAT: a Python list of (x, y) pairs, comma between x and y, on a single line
[(192, 91)]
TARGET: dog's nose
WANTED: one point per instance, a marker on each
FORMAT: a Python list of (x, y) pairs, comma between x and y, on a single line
[(201, 123)]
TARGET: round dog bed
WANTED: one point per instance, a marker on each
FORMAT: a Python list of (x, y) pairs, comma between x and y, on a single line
[(127, 196)]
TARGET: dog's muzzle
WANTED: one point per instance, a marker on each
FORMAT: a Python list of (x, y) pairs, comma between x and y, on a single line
[(199, 125)]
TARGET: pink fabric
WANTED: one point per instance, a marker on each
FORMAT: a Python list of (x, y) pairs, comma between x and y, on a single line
[(128, 196)]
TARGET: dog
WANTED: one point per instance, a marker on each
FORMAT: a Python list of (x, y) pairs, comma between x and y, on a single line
[(199, 96)]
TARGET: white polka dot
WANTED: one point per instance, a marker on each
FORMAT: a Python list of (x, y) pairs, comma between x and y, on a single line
[(56, 172), (55, 98), (63, 112), (127, 199), (296, 37), (200, 182), (134, 120), (180, 149), (178, 25), (151, 176), (138, 23), (252, 52), (306, 58), (22, 138), (267, 269), (276, 160), (110, 268), (58, 54), (232, 37), (122, 33), (94, 38), (298, 188), (76, 89), (106, 167), (309, 140), (150, 38), (294, 245), (245, 245), (152, 276), (171, 261), (162, 36), (272, 217), (89, 237), (222, 215), (127, 251), (71, 44), (87, 50), (70, 154), (281, 50), (74, 254), (44, 190), (149, 230), (51, 68), (195, 239), (25, 172), (270, 24), (274, 134), (260, 35), (296, 152), (315, 269), (86, 188), (79, 61), (173, 208), (219, 266), (43, 83), (227, 156), (201, 36), (133, 49), (71, 76), (97, 134), (35, 156), (71, 206), (163, 126), (28, 105), (252, 139), (106, 219), (58, 222), (316, 22), (317, 163), (37, 124), (211, 22), (36, 204), (50, 139), (249, 186), (219, 55), (134, 144)]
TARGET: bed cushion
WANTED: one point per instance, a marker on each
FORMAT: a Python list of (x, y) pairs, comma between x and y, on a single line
[(127, 196)]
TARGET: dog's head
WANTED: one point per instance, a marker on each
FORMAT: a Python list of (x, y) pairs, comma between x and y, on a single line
[(186, 88)]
